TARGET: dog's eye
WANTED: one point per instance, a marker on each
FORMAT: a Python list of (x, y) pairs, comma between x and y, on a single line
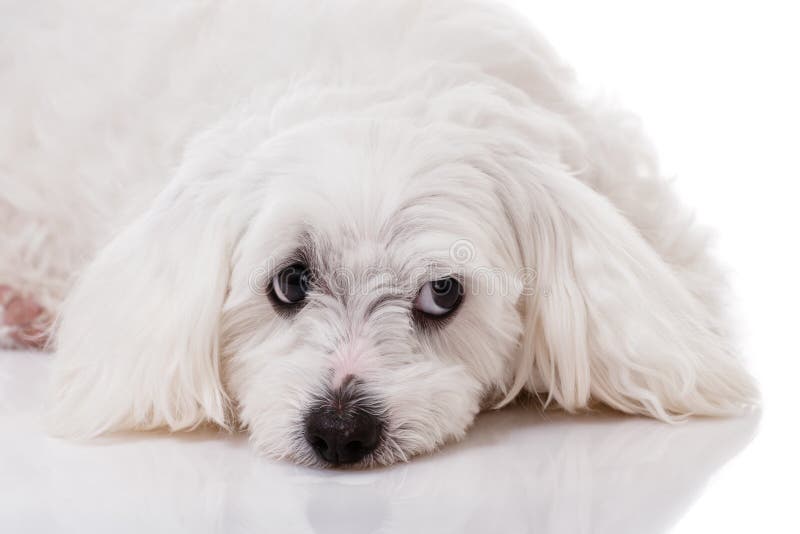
[(439, 297), (290, 285)]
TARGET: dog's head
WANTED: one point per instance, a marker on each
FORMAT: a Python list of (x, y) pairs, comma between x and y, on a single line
[(374, 298), (354, 291)]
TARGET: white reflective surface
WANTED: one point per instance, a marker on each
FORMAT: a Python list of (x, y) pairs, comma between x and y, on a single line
[(519, 471)]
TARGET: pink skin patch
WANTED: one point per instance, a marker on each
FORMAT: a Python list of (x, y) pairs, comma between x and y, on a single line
[(23, 322), (348, 361)]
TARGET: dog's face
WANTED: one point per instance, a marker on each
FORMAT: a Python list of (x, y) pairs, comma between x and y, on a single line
[(373, 302)]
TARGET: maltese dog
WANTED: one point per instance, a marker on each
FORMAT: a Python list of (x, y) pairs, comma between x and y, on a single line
[(345, 228)]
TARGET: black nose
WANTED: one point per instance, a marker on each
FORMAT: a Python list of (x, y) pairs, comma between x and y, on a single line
[(342, 436)]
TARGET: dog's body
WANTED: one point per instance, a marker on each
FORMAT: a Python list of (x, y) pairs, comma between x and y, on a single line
[(167, 154)]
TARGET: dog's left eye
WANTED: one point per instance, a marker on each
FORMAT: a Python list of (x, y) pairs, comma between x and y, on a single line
[(439, 297), (290, 286)]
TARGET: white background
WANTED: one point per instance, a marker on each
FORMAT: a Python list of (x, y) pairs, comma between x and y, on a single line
[(716, 84)]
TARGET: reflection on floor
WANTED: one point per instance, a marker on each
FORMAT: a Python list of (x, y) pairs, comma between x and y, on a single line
[(518, 471)]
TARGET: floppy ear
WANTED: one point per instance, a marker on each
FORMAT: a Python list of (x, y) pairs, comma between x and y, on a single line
[(610, 320), (138, 340)]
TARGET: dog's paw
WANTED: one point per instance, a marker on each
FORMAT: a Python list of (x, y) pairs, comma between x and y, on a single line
[(23, 321)]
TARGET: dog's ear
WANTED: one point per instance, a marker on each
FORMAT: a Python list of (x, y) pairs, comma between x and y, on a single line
[(608, 319), (138, 339)]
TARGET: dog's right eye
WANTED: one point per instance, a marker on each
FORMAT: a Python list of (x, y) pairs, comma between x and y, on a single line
[(290, 286)]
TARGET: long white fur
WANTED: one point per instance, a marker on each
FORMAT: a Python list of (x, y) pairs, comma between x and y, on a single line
[(157, 155)]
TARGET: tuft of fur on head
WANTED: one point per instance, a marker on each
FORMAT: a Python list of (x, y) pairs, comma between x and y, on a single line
[(417, 141)]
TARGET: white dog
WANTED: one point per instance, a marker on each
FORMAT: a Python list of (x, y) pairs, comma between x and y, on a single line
[(345, 227)]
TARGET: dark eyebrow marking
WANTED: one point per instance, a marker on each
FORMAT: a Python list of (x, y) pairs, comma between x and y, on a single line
[(304, 254), (313, 255), (295, 258), (380, 302)]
